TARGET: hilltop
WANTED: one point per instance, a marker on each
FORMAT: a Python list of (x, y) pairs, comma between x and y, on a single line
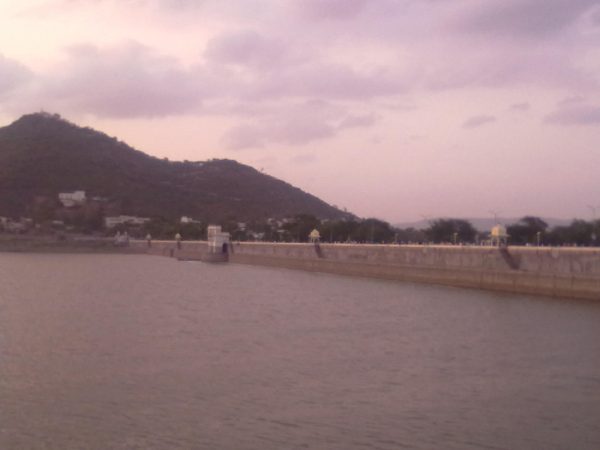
[(42, 154)]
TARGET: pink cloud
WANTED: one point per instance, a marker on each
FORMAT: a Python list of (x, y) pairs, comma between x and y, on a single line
[(12, 75), (275, 68), (244, 136), (295, 125), (357, 121), (304, 158), (573, 100), (549, 66), (331, 81), (246, 48), (525, 18), (478, 121), (596, 17), (523, 106), (297, 131), (125, 81), (330, 9), (574, 115), (133, 80)]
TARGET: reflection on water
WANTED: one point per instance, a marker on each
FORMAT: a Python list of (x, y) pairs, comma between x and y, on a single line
[(128, 352)]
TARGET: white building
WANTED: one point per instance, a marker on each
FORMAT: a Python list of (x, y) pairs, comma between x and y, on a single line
[(70, 199), (17, 227), (218, 241), (113, 221), (186, 219)]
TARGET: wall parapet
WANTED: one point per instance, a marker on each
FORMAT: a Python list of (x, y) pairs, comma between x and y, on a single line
[(551, 271), (560, 272)]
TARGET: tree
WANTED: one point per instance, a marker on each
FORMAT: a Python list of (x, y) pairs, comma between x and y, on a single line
[(579, 232), (451, 230), (192, 231), (43, 209), (410, 235), (337, 230), (301, 226), (526, 230), (158, 228), (373, 231)]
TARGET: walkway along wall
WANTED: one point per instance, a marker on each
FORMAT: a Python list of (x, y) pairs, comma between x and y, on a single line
[(559, 272)]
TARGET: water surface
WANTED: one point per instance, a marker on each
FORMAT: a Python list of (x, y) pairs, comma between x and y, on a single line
[(139, 352)]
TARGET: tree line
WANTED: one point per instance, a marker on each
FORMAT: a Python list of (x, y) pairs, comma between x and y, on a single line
[(529, 230)]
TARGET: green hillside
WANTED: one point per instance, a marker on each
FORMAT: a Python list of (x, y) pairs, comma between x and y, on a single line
[(42, 155)]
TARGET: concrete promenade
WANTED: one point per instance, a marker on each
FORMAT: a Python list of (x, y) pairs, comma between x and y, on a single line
[(550, 271)]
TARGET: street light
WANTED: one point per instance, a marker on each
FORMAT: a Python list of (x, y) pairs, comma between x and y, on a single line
[(594, 208), (427, 218), (495, 214)]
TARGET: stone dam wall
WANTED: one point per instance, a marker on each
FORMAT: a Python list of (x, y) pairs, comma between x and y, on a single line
[(557, 272)]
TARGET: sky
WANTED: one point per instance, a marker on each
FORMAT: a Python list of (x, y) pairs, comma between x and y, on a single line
[(396, 109)]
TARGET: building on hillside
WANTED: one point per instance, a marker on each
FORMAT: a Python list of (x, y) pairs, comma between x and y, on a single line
[(20, 226), (15, 227), (70, 199), (113, 221), (186, 220)]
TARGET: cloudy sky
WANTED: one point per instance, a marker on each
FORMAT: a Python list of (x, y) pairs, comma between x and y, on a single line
[(397, 109)]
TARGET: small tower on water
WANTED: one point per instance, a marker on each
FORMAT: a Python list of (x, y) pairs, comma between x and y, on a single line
[(218, 241)]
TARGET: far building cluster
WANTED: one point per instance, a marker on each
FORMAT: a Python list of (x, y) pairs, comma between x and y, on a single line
[(71, 199), (114, 221), (69, 211)]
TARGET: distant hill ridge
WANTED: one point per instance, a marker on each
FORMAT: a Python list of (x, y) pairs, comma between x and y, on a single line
[(42, 154)]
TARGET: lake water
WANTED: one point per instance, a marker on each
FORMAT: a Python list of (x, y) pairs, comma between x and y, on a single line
[(140, 352)]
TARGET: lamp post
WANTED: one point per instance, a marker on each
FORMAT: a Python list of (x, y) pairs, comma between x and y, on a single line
[(495, 214), (427, 218), (593, 209)]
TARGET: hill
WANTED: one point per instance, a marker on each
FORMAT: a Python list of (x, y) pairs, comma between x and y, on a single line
[(42, 154)]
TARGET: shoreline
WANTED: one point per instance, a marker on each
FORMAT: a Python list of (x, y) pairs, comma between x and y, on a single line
[(567, 272), (50, 244)]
